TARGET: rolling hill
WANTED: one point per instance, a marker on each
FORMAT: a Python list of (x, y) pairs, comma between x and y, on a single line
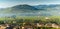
[(28, 10)]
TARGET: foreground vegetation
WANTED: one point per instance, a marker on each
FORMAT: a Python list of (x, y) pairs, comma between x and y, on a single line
[(21, 20), (32, 19)]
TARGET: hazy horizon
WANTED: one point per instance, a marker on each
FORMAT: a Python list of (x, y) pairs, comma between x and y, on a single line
[(9, 3)]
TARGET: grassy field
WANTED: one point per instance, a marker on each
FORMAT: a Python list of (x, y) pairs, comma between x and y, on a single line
[(51, 19)]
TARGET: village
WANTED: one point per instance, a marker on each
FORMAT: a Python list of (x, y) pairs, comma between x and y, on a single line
[(29, 26)]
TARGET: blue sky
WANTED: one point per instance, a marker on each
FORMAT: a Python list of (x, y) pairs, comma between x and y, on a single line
[(9, 3)]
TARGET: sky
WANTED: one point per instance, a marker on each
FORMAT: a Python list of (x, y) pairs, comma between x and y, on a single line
[(9, 3)]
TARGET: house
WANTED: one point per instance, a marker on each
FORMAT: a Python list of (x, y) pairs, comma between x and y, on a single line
[(23, 27), (55, 25), (40, 25), (48, 25), (52, 25), (2, 26), (28, 27)]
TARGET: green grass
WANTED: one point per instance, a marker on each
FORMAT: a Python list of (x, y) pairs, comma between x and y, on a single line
[(52, 19)]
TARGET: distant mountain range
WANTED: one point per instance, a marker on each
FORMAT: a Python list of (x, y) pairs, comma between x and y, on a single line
[(28, 10)]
